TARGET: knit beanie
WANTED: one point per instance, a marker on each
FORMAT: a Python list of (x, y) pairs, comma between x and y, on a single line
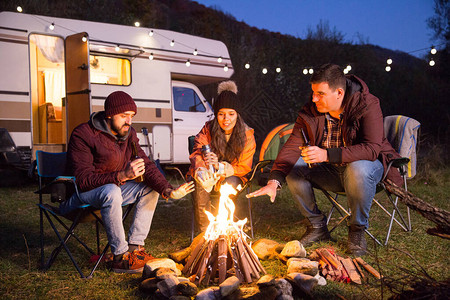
[(227, 97), (119, 102)]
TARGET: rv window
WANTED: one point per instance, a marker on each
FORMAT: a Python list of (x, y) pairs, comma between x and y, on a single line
[(110, 70), (186, 99)]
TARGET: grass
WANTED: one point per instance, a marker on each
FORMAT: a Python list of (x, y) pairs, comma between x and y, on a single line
[(408, 255)]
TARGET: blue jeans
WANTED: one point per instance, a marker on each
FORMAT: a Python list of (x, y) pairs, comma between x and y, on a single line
[(110, 198), (358, 180)]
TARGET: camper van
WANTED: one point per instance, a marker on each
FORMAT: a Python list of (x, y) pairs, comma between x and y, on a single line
[(56, 72)]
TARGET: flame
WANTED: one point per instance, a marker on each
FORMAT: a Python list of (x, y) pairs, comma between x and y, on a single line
[(223, 223)]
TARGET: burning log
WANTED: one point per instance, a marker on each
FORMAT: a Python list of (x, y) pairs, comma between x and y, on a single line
[(223, 250)]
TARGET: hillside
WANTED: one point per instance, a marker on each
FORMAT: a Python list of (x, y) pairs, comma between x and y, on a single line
[(412, 88)]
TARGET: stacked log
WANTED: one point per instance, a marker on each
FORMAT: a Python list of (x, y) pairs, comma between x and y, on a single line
[(212, 261), (336, 268)]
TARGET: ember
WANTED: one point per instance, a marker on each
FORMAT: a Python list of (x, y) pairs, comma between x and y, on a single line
[(223, 250)]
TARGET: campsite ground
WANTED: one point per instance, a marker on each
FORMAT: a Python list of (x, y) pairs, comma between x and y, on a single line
[(409, 256)]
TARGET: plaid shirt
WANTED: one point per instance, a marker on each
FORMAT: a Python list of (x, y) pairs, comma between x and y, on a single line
[(332, 133)]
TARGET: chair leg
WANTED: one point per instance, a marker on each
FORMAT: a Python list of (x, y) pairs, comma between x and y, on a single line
[(249, 202), (63, 242)]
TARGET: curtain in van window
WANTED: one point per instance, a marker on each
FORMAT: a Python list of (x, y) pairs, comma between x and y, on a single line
[(50, 46)]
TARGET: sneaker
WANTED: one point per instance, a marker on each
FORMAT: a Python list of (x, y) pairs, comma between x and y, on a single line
[(357, 244), (313, 235), (141, 251), (133, 262)]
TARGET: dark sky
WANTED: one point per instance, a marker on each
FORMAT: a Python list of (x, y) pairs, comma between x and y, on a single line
[(393, 24)]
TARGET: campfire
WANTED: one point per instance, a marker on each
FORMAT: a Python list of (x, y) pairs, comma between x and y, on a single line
[(223, 250)]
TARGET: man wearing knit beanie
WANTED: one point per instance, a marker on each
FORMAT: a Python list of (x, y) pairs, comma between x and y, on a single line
[(105, 157)]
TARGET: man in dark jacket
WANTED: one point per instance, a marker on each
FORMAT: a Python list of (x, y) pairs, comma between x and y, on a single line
[(102, 157), (343, 149)]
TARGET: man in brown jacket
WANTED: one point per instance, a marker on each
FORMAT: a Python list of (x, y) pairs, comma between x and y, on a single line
[(102, 157), (337, 144)]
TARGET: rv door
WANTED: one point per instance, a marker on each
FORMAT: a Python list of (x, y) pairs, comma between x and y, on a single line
[(190, 113), (78, 89)]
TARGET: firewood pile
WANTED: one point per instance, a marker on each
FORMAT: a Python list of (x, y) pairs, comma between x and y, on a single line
[(336, 268), (213, 261)]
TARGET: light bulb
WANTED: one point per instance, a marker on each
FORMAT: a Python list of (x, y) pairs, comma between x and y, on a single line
[(137, 24), (349, 68), (247, 66), (19, 8), (311, 71), (433, 51), (388, 68), (278, 70), (225, 68), (52, 26), (195, 52), (389, 61), (345, 71), (305, 71), (150, 56), (188, 63), (150, 33), (172, 43), (84, 39), (264, 71), (432, 63), (117, 48), (219, 59)]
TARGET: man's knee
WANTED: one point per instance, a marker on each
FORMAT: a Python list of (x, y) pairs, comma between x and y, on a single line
[(363, 169), (111, 193)]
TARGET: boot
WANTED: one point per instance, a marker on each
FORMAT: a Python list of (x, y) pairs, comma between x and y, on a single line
[(313, 235), (357, 244)]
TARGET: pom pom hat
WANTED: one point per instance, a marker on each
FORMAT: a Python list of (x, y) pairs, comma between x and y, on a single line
[(119, 102), (227, 97)]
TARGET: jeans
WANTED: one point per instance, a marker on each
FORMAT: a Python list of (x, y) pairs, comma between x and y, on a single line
[(358, 180), (110, 198), (202, 202)]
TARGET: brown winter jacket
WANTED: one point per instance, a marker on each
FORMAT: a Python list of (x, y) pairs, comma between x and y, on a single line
[(362, 129), (95, 156)]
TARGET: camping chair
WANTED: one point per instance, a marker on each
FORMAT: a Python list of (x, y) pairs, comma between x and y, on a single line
[(402, 133), (51, 169)]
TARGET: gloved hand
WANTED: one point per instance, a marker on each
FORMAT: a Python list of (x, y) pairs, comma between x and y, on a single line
[(206, 179), (182, 190)]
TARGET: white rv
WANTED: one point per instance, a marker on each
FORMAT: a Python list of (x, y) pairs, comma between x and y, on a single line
[(56, 72)]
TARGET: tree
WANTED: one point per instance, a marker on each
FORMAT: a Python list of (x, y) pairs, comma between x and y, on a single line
[(440, 22)]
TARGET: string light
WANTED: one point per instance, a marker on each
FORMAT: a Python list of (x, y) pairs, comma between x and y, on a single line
[(19, 9), (84, 39), (188, 63), (305, 71)]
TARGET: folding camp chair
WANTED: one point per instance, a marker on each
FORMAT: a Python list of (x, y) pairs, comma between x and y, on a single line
[(51, 170), (402, 133)]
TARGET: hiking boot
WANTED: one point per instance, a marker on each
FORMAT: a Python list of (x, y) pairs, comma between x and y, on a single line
[(141, 251), (133, 262), (357, 244), (313, 235)]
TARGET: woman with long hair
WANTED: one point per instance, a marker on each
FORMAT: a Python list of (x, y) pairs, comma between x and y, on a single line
[(231, 145)]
